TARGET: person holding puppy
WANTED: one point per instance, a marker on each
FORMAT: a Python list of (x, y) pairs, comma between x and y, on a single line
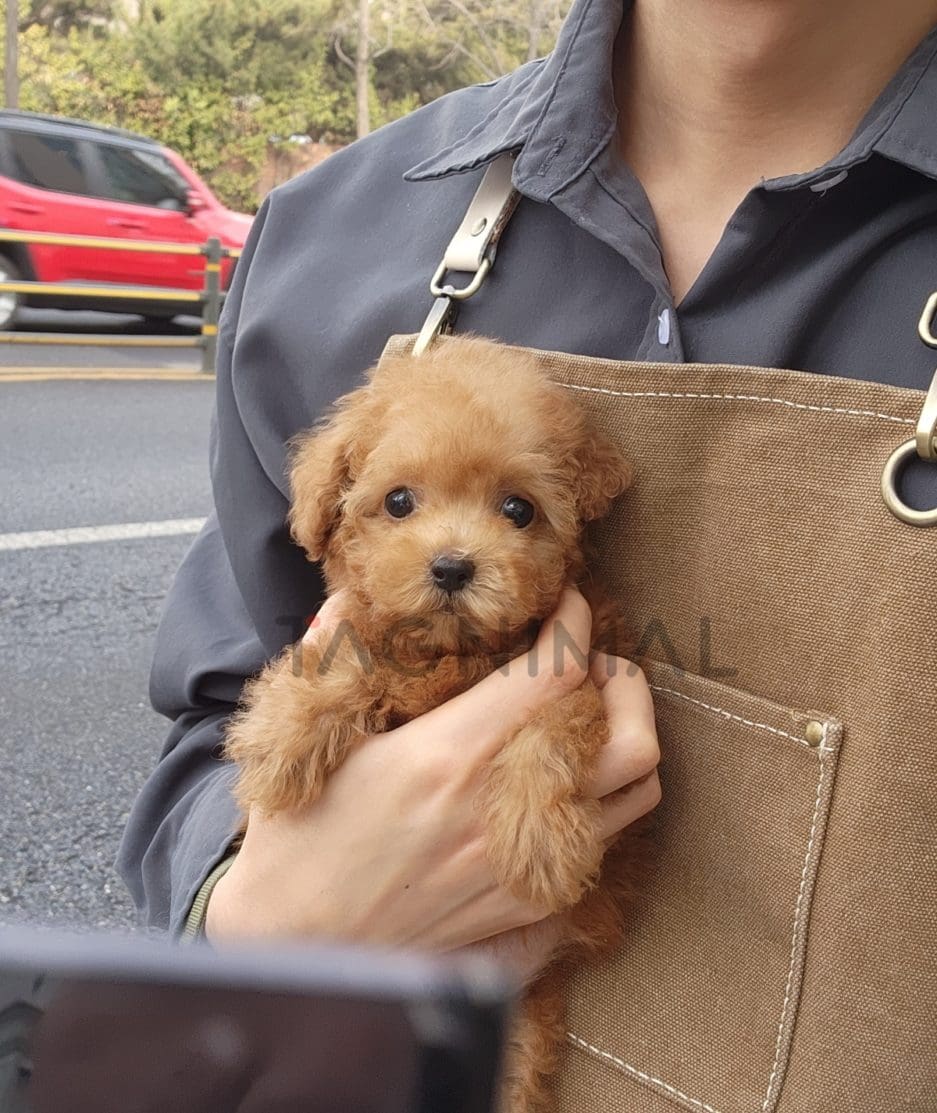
[(705, 181)]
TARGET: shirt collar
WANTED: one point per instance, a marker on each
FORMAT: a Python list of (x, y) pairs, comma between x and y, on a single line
[(559, 113), (910, 132), (901, 125)]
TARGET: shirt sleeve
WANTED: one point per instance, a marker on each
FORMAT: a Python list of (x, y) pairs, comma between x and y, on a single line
[(240, 595), (338, 260)]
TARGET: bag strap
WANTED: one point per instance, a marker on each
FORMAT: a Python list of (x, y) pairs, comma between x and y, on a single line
[(472, 249)]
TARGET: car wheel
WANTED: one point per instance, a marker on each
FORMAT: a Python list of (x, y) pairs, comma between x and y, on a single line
[(9, 302)]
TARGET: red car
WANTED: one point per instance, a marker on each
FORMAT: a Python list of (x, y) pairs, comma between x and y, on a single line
[(65, 176)]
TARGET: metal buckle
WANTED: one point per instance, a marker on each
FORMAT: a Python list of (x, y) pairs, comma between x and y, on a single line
[(925, 435), (442, 316), (472, 249), (440, 321), (440, 291), (927, 320), (923, 445)]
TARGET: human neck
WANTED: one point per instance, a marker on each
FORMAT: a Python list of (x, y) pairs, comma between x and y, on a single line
[(716, 95), (779, 85)]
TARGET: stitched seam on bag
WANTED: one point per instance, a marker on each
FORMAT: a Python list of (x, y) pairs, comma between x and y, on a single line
[(735, 718), (775, 1079), (654, 1083), (695, 395)]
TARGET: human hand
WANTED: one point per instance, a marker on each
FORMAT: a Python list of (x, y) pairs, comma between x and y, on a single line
[(393, 851), (632, 746)]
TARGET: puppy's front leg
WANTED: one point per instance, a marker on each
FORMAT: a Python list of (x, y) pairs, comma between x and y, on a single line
[(297, 721), (544, 838)]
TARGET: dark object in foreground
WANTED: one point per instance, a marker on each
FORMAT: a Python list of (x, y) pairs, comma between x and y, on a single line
[(95, 1025)]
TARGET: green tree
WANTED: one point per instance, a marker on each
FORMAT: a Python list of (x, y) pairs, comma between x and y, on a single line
[(63, 16), (241, 46), (222, 81)]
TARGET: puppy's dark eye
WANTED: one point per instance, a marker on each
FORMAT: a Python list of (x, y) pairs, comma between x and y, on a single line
[(400, 502), (518, 510)]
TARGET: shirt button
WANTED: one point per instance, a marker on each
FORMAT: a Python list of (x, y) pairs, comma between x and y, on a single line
[(663, 327)]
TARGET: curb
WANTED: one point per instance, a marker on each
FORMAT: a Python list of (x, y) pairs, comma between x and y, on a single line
[(44, 374)]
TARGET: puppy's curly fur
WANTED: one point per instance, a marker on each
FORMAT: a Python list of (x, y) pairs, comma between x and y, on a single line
[(478, 439)]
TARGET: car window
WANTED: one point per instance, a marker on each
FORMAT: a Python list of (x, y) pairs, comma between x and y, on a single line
[(130, 175), (163, 166), (46, 161)]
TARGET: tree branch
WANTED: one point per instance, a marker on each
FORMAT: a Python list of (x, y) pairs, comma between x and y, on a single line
[(342, 56)]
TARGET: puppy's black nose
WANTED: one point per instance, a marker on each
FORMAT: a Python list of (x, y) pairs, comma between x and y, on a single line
[(452, 573)]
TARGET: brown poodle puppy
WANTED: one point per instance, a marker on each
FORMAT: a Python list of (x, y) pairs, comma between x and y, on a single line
[(449, 496)]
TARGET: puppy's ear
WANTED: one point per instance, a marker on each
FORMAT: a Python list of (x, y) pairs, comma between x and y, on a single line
[(322, 471), (604, 473), (599, 471)]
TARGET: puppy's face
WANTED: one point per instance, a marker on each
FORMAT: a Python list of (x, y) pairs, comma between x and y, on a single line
[(450, 493)]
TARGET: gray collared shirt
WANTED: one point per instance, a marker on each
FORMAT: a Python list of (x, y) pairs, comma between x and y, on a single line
[(826, 271)]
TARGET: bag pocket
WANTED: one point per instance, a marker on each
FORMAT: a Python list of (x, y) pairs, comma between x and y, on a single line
[(697, 1008)]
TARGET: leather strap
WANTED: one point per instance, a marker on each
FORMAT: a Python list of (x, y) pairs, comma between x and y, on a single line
[(472, 249), (485, 219)]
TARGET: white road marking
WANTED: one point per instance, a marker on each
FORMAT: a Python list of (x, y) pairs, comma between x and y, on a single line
[(86, 535)]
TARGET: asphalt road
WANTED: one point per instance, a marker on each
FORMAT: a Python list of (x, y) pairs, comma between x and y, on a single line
[(77, 736)]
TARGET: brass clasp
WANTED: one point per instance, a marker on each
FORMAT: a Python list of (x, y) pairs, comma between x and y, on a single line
[(440, 321), (925, 435), (923, 445), (472, 249), (438, 290), (925, 325)]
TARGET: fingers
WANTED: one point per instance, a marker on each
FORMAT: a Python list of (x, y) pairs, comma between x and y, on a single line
[(477, 722), (327, 617), (503, 702), (621, 809), (524, 951), (632, 751)]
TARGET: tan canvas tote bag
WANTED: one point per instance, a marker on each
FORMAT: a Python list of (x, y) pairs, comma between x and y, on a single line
[(784, 954)]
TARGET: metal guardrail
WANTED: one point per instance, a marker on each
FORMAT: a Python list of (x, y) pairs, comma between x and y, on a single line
[(211, 295)]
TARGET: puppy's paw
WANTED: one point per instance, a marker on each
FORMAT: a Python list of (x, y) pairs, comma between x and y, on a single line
[(543, 836), (295, 727), (548, 854), (544, 839)]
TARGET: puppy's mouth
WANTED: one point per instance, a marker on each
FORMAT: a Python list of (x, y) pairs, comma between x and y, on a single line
[(478, 612), (473, 620), (452, 604)]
